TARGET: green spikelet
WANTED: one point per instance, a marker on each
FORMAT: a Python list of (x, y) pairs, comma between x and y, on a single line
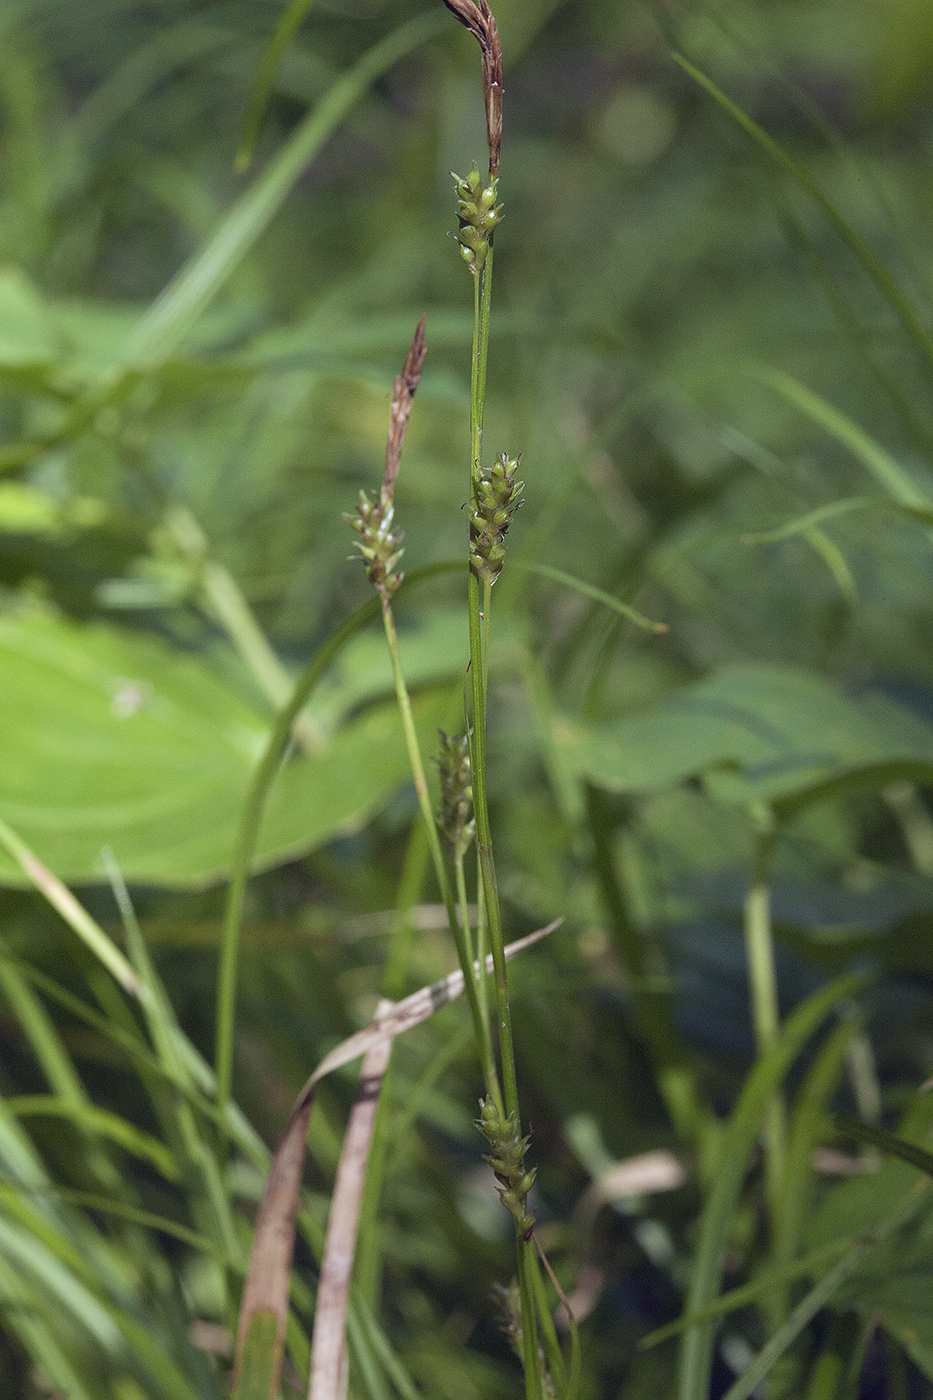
[(507, 1160), (479, 214), (456, 805), (379, 544), (495, 497)]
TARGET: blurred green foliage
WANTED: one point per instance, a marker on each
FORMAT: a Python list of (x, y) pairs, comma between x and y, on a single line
[(172, 553)]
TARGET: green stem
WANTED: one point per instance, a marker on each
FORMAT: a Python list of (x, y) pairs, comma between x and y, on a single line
[(759, 946), (484, 848), (250, 818), (531, 1360), (482, 300), (530, 1285), (225, 600), (549, 1331), (474, 950), (434, 842), (247, 834)]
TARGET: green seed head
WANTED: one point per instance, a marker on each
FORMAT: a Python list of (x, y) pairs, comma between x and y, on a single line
[(507, 1160), (495, 497), (456, 805), (478, 214), (378, 544)]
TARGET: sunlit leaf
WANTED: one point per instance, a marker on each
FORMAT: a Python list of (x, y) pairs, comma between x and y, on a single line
[(112, 739)]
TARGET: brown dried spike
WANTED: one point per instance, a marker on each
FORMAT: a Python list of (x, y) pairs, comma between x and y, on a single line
[(403, 391), (478, 18)]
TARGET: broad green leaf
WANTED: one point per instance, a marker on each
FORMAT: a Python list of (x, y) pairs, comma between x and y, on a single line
[(761, 732), (112, 739), (28, 333)]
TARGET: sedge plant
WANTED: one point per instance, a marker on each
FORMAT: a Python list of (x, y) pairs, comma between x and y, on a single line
[(494, 497)]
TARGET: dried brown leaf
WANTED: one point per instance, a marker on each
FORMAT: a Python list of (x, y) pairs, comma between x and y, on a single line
[(267, 1277), (270, 1260), (329, 1342)]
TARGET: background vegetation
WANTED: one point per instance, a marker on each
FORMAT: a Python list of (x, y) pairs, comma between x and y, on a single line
[(715, 354)]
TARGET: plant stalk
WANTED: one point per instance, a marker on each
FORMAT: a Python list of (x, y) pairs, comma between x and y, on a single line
[(759, 946)]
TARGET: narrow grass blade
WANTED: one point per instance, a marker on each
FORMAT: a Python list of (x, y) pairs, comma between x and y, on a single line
[(61, 899), (893, 1146), (871, 262), (193, 1144), (589, 590), (106, 1205), (723, 1199), (44, 1040), (747, 1293), (808, 1126), (802, 523), (822, 1292), (289, 23), (175, 311), (368, 1332), (102, 1123), (809, 526), (835, 561), (883, 467)]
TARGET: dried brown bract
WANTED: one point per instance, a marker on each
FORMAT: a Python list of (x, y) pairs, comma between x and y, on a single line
[(478, 18), (403, 391), (380, 543)]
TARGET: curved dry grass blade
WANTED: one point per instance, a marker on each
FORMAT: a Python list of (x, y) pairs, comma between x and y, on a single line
[(329, 1374), (402, 1015), (265, 1294)]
